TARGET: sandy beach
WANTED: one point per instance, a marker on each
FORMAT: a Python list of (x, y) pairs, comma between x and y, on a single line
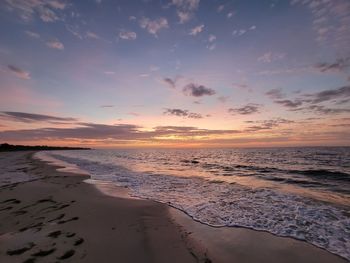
[(57, 217)]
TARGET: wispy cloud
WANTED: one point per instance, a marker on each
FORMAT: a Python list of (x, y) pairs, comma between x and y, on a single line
[(55, 44), (220, 8), (223, 99), (267, 124), (32, 117), (323, 110), (211, 38), (326, 95), (46, 10), (74, 30), (331, 22), (248, 109), (153, 26), (242, 31), (107, 106), (127, 35), (92, 35), (340, 65), (109, 72), (108, 133), (185, 9), (230, 14), (170, 82), (211, 42), (290, 103), (309, 101), (182, 113), (275, 94), (20, 73), (269, 57), (196, 90), (196, 30), (32, 34)]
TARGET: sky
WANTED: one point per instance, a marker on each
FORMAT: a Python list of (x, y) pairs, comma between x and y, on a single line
[(175, 73)]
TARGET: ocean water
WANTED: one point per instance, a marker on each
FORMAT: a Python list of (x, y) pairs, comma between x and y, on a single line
[(302, 193)]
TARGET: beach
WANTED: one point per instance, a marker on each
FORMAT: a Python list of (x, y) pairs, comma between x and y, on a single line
[(55, 216)]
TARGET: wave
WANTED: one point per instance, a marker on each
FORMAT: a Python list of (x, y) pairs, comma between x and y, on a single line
[(324, 174), (251, 170)]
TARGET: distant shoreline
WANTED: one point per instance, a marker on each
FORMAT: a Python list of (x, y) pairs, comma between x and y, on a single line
[(5, 147)]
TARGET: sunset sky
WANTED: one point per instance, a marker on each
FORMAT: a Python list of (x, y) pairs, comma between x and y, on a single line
[(175, 73)]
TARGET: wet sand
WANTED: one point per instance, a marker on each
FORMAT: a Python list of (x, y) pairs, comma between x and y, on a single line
[(57, 217)]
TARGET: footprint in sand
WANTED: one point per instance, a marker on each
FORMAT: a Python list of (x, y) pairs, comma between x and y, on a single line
[(55, 234), (19, 251), (79, 242), (67, 254), (44, 253)]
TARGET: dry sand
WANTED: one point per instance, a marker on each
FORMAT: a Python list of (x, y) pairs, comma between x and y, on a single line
[(56, 217)]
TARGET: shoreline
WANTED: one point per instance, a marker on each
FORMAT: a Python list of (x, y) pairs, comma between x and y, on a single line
[(163, 234)]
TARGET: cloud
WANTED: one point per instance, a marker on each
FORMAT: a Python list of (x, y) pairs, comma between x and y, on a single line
[(20, 73), (340, 65), (309, 101), (223, 99), (56, 44), (47, 15), (74, 30), (153, 26), (196, 90), (267, 124), (109, 72), (242, 31), (323, 110), (245, 110), (196, 30), (211, 46), (182, 113), (32, 34), (92, 35), (289, 103), (331, 22), (211, 38), (170, 82), (107, 106), (230, 14), (57, 4), (127, 35), (326, 95), (46, 10), (220, 8), (153, 68), (275, 94), (185, 9), (135, 114), (269, 57), (108, 133), (241, 86), (31, 117)]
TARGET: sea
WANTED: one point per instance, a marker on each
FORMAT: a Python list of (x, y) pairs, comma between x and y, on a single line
[(303, 193)]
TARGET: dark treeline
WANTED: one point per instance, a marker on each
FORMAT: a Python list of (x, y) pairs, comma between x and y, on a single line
[(5, 147)]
